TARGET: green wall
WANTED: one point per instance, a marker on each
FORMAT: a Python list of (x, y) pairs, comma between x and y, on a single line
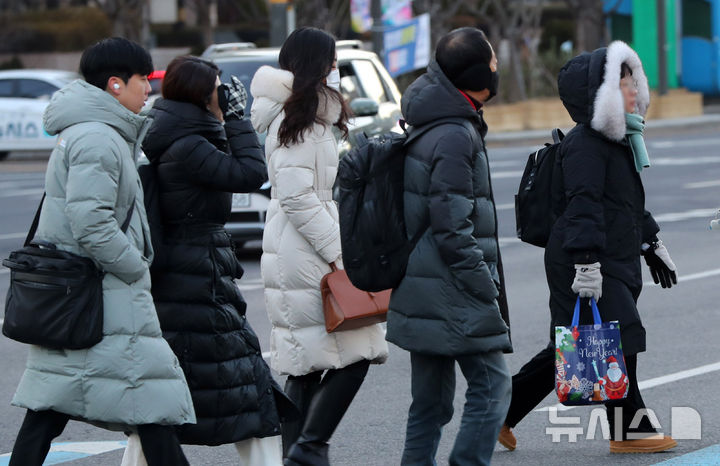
[(645, 36)]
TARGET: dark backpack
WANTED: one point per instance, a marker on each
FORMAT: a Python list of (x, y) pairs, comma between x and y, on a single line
[(374, 238), (540, 190)]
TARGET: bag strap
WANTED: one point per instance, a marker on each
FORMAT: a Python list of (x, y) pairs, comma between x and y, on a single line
[(36, 220), (34, 225), (576, 313), (126, 223)]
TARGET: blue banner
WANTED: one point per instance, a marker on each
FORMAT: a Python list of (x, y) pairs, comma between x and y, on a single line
[(407, 46)]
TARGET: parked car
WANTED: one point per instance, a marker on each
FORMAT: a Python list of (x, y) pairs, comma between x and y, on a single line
[(24, 94), (365, 83)]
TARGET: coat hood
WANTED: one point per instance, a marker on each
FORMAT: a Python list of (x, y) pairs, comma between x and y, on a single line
[(432, 97), (271, 87), (172, 120), (80, 102), (589, 86)]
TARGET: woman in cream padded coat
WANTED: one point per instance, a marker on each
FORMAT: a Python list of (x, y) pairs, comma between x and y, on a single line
[(297, 107)]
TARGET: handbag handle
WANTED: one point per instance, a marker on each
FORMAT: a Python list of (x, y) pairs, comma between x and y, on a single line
[(333, 267), (576, 314), (33, 227)]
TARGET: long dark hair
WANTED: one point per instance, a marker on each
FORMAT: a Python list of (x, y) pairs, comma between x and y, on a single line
[(308, 53), (190, 79)]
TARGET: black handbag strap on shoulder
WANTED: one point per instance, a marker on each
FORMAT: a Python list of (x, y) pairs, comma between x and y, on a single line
[(33, 227)]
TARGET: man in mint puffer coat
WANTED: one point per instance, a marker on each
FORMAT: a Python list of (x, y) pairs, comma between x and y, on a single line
[(131, 380)]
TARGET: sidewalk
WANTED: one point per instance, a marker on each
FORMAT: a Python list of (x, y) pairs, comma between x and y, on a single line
[(653, 128)]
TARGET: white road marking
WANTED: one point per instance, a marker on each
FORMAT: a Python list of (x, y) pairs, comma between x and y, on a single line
[(508, 240), (507, 174), (677, 161), (2, 271), (505, 163), (687, 215), (250, 284), (505, 206), (706, 142), (62, 452), (702, 184), (690, 277), (12, 236), (654, 382), (22, 192)]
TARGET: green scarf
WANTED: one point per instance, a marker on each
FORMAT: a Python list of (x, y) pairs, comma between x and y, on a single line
[(634, 126)]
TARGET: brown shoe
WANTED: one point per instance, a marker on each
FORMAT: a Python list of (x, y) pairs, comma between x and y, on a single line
[(653, 444), (506, 438)]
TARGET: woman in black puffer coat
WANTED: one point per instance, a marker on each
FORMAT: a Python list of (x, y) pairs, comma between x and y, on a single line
[(602, 230), (198, 165)]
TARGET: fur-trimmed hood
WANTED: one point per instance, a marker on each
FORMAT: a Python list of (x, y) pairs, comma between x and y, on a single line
[(271, 87), (589, 86)]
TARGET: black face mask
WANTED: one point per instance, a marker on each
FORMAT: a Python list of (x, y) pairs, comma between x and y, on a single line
[(478, 78), (493, 87)]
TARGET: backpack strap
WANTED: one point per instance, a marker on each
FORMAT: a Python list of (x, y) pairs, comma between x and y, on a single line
[(415, 132)]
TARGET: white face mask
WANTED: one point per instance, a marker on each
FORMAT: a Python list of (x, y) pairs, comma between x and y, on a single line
[(333, 79)]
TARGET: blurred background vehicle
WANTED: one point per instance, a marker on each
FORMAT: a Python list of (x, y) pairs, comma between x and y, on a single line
[(364, 82), (24, 94), (155, 78)]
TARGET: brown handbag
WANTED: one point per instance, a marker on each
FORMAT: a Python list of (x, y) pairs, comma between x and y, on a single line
[(346, 307)]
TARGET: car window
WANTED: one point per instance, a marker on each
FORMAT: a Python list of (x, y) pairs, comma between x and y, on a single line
[(155, 86), (370, 80), (34, 88), (244, 70), (6, 87), (349, 84)]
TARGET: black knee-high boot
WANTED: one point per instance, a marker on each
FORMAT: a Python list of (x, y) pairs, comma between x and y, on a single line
[(300, 390), (327, 409)]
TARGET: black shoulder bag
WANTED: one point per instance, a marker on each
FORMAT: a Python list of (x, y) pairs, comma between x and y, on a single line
[(55, 297)]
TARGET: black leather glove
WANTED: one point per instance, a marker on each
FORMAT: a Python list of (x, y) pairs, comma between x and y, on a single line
[(662, 268)]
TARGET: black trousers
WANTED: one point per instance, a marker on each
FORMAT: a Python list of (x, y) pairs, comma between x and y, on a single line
[(159, 443), (536, 380)]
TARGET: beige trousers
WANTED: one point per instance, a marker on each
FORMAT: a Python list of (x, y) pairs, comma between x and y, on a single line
[(265, 451)]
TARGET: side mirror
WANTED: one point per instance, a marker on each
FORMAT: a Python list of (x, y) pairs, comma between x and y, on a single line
[(362, 106)]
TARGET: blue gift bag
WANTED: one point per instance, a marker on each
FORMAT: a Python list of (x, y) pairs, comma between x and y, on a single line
[(589, 363)]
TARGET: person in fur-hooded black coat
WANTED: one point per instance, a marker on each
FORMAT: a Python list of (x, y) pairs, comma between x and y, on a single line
[(602, 231)]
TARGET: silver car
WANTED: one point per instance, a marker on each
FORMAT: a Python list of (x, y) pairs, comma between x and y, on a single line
[(24, 94), (366, 85)]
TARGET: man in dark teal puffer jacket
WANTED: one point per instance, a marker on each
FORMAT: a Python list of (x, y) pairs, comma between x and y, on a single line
[(447, 308)]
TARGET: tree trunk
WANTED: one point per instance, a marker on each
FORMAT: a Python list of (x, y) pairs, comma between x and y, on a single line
[(589, 25)]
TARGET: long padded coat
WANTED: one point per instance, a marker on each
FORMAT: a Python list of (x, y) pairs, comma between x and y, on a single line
[(131, 377), (446, 304), (603, 217), (302, 236), (199, 164)]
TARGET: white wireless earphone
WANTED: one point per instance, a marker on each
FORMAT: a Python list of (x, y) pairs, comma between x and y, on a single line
[(116, 86)]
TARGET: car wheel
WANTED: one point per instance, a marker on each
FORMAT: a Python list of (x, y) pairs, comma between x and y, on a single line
[(3, 155)]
